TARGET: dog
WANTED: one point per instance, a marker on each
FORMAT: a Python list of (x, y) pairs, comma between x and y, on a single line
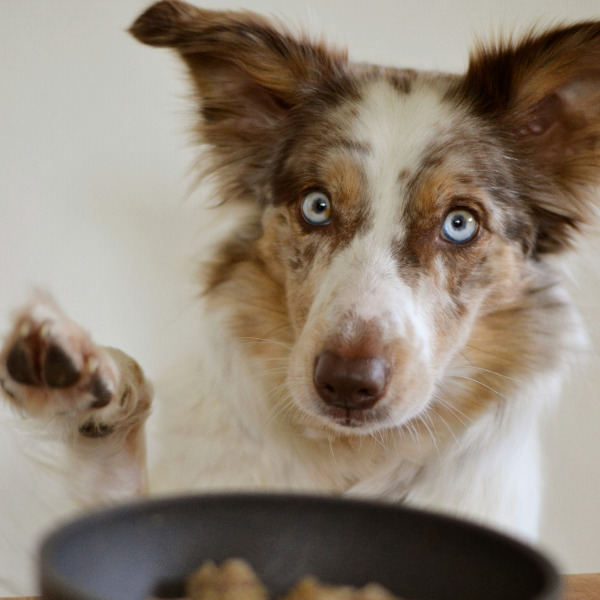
[(385, 318)]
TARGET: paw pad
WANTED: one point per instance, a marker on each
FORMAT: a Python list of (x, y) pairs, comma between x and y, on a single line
[(19, 365), (31, 362), (58, 370)]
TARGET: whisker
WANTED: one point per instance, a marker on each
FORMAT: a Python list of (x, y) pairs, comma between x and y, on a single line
[(282, 369), (472, 366), (332, 451), (281, 405), (429, 430), (378, 438), (265, 341), (450, 430), (258, 305), (459, 413), (487, 387), (412, 431), (282, 359), (352, 441), (281, 410), (386, 438)]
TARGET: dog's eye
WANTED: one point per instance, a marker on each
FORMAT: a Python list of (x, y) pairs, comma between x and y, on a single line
[(460, 226), (316, 208)]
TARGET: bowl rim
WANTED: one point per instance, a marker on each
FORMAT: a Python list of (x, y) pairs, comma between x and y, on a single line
[(51, 580)]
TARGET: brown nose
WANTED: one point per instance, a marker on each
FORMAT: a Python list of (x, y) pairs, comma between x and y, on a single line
[(353, 383)]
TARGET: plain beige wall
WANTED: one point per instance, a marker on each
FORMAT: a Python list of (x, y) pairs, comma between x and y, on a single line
[(94, 163)]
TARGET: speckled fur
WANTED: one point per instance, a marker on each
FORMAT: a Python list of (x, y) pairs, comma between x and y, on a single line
[(476, 337)]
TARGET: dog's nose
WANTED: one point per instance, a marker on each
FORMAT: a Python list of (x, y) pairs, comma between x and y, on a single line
[(353, 383)]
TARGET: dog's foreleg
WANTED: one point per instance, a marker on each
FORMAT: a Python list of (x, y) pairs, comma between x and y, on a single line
[(94, 399)]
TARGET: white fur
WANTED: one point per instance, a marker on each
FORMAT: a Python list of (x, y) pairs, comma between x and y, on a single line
[(214, 428), (226, 421)]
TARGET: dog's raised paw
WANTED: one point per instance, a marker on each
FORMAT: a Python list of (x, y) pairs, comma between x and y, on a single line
[(49, 365)]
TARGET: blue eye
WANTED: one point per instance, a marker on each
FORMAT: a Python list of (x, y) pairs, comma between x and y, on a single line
[(316, 208), (460, 226)]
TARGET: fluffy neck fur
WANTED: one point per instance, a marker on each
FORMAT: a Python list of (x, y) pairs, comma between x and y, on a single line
[(477, 454)]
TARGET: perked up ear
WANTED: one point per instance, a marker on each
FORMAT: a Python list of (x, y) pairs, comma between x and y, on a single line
[(248, 75), (544, 95)]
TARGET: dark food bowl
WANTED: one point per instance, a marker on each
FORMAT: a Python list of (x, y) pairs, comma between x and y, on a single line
[(149, 548)]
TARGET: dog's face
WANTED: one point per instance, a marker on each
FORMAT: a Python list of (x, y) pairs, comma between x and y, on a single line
[(405, 217), (392, 245)]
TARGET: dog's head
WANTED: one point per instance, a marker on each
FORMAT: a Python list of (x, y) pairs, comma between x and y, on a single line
[(406, 217)]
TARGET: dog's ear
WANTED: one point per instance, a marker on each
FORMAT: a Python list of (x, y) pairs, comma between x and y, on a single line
[(248, 73), (543, 94)]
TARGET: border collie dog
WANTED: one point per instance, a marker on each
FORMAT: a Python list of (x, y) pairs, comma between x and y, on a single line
[(385, 318)]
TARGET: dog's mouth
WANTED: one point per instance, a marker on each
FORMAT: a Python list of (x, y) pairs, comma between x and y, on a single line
[(352, 419)]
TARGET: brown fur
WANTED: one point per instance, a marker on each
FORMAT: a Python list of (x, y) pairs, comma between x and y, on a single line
[(450, 347), (521, 153), (271, 106), (543, 96)]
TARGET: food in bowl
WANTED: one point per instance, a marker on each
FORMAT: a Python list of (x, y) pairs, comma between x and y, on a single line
[(235, 579), (310, 589)]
